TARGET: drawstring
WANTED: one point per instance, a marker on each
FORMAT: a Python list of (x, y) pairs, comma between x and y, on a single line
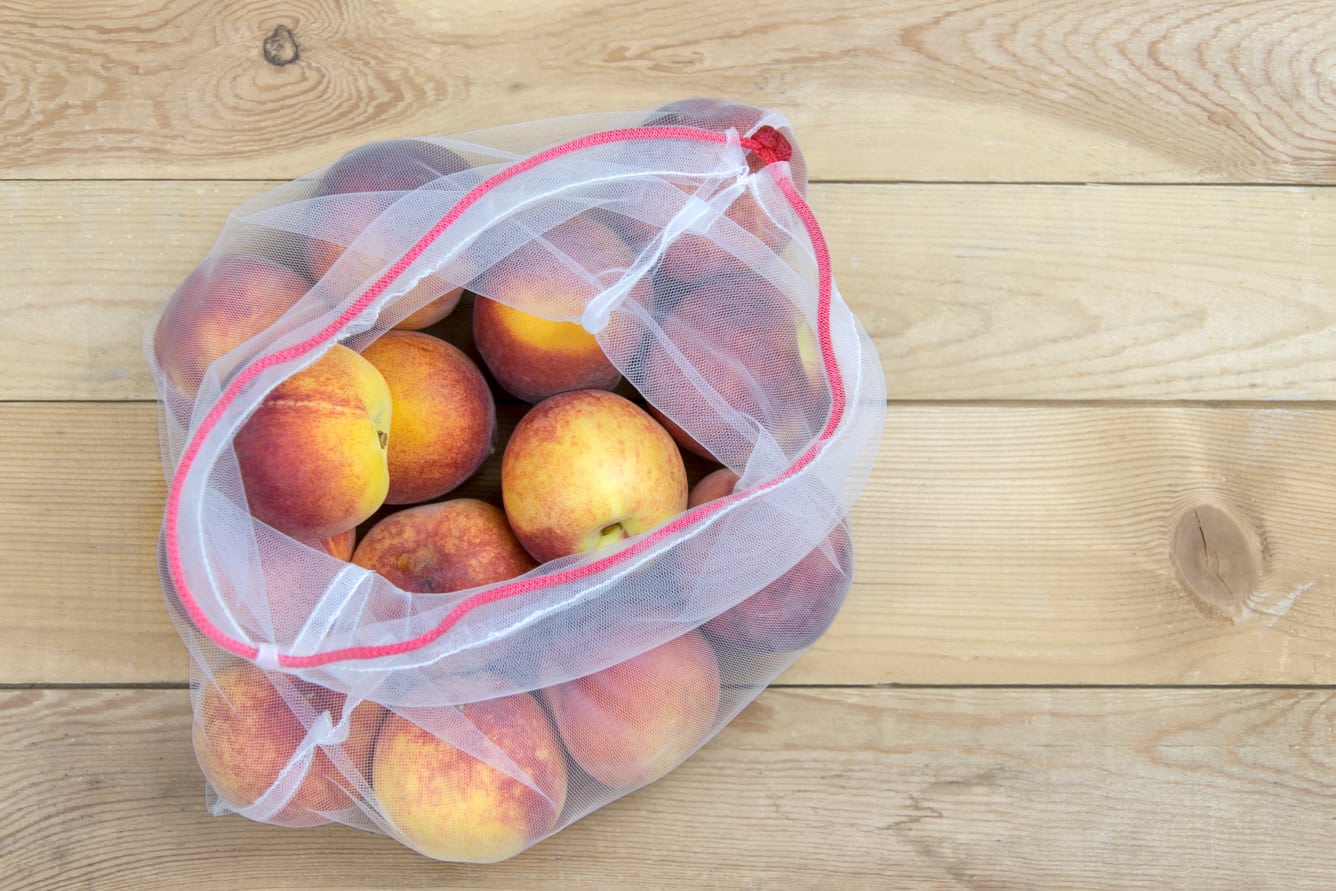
[(769, 145)]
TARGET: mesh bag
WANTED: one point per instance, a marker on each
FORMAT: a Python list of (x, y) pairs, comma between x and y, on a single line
[(470, 720)]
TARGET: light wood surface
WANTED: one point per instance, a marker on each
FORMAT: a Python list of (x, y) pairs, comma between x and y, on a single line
[(1090, 640), (1149, 91), (809, 787), (1035, 544), (971, 292)]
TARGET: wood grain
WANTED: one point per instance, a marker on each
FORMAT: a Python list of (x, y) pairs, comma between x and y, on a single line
[(947, 90), (996, 544), (1011, 292), (970, 292), (1012, 544), (81, 499), (91, 266), (929, 789), (1091, 641)]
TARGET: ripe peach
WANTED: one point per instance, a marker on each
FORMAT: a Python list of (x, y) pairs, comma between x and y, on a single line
[(341, 545), (719, 115), (312, 456), (586, 469), (790, 613), (387, 167), (794, 610), (758, 355), (633, 722), (684, 439), (223, 303), (246, 733), (445, 546), (695, 257), (449, 805), (444, 414), (531, 356), (715, 484)]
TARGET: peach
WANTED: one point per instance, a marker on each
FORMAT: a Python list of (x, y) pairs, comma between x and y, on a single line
[(445, 546), (532, 356), (387, 167), (715, 484), (312, 455), (759, 355), (693, 257), (586, 469), (631, 723), (684, 439), (444, 414), (794, 610), (223, 303), (450, 805), (790, 613), (719, 115), (245, 735), (341, 545)]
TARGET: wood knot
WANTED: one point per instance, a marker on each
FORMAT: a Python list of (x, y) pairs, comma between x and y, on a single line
[(280, 47), (1219, 560)]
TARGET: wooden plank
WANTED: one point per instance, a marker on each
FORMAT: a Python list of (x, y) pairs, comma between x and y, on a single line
[(970, 292), (946, 90), (1020, 292), (934, 789), (81, 499), (90, 264), (1049, 544), (1095, 544)]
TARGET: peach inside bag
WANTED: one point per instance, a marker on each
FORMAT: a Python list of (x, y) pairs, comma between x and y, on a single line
[(471, 724)]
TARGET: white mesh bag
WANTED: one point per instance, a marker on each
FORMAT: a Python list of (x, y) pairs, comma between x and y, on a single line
[(470, 720)]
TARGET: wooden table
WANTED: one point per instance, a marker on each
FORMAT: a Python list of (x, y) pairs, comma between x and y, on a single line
[(1090, 643)]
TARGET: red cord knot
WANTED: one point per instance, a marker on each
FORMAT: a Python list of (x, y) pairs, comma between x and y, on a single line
[(768, 145)]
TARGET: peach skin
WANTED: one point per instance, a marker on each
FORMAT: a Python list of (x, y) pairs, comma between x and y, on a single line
[(449, 805), (312, 455), (444, 414)]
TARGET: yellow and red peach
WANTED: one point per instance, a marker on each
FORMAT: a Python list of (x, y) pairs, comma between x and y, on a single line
[(744, 339), (340, 546), (450, 805), (444, 414), (519, 319), (532, 357), (715, 484), (444, 546), (794, 610), (246, 734), (790, 613), (586, 469), (719, 115), (695, 257), (684, 439), (388, 167), (223, 303), (631, 723), (312, 455)]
